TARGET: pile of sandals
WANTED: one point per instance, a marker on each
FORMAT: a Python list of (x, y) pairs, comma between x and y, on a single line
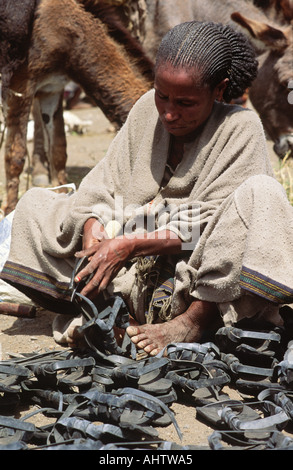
[(104, 397)]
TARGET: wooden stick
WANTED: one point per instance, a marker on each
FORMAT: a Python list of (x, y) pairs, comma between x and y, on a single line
[(17, 310)]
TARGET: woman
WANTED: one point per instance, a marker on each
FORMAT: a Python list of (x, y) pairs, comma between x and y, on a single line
[(174, 218)]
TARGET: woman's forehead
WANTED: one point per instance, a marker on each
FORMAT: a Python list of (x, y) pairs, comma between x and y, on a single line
[(183, 77)]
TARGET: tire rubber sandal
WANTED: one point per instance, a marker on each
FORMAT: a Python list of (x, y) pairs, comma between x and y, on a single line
[(238, 416), (254, 347), (148, 375), (11, 376), (283, 374), (271, 440), (76, 428), (281, 398), (194, 352), (98, 331), (14, 430), (64, 374), (239, 370), (198, 376), (254, 387), (239, 440), (126, 406)]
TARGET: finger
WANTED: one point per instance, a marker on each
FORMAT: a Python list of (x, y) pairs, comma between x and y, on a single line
[(92, 289), (87, 251), (96, 285), (86, 271), (91, 267)]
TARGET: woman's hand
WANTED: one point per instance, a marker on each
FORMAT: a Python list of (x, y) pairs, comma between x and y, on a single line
[(93, 232), (106, 258)]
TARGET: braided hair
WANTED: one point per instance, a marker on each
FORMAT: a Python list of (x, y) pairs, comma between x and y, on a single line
[(214, 51)]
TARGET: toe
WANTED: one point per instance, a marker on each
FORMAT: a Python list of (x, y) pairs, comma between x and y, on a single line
[(138, 338), (155, 351), (143, 343), (132, 331), (151, 349)]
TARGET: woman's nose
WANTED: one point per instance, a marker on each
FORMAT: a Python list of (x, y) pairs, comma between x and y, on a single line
[(170, 113)]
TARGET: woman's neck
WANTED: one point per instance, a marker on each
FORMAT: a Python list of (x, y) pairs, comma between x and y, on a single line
[(176, 151)]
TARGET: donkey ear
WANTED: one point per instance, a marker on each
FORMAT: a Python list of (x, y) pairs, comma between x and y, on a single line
[(262, 35)]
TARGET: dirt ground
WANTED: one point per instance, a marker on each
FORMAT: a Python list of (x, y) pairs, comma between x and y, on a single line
[(18, 335)]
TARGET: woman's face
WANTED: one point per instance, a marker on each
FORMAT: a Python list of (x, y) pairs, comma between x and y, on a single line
[(182, 106)]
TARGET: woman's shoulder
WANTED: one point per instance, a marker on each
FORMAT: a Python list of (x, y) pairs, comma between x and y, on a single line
[(143, 113), (145, 102), (236, 112)]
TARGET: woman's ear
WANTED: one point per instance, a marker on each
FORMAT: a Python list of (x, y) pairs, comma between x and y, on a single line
[(220, 88)]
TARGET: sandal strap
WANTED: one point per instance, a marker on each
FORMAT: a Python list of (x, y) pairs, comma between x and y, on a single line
[(100, 432), (218, 379), (277, 417), (236, 334), (191, 351), (53, 367), (280, 398), (283, 373), (237, 368), (23, 430)]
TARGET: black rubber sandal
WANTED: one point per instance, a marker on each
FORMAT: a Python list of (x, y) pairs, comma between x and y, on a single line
[(14, 431), (11, 376), (126, 406), (228, 338), (148, 375), (238, 440), (281, 398), (269, 440), (254, 387), (98, 331), (70, 428), (211, 375), (283, 374), (238, 416), (255, 348), (244, 371), (193, 352), (64, 374)]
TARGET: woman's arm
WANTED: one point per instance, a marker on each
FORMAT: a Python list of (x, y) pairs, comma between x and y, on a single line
[(107, 257)]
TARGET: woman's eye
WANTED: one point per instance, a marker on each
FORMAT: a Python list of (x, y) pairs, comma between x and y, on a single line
[(186, 103), (162, 97)]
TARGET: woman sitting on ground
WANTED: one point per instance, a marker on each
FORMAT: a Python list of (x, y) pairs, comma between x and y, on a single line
[(178, 216)]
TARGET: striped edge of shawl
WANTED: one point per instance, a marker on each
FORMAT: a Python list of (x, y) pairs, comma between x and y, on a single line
[(264, 286), (28, 277)]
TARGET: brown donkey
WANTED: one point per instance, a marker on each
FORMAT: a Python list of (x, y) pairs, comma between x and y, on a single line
[(64, 42)]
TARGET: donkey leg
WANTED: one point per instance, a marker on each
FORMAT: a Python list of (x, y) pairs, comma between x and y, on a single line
[(54, 134), (40, 171), (59, 154), (17, 115)]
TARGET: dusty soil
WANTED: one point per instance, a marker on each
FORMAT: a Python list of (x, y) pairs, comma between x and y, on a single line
[(18, 335)]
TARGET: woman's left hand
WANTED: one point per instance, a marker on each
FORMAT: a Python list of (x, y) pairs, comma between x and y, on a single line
[(106, 258)]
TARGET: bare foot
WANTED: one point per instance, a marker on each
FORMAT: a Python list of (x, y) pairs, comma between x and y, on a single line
[(65, 330), (186, 328)]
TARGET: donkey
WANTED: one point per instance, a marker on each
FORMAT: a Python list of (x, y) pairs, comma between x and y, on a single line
[(272, 37), (63, 41), (279, 10)]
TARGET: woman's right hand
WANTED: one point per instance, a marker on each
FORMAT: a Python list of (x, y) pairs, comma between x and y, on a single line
[(93, 232), (105, 259)]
